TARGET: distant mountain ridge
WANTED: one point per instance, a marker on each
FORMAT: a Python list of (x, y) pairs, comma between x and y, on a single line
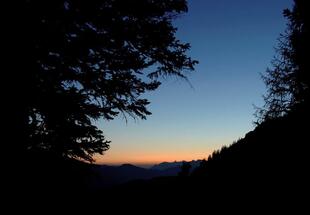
[(106, 176), (176, 164)]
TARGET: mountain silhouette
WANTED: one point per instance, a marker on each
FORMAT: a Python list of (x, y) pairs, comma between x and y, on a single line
[(267, 166), (266, 169), (176, 164), (107, 176)]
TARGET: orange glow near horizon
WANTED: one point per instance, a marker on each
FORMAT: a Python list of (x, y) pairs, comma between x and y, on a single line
[(148, 158), (147, 149)]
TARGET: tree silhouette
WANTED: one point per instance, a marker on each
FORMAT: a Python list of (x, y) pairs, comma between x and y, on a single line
[(202, 168), (85, 60), (185, 169), (288, 80)]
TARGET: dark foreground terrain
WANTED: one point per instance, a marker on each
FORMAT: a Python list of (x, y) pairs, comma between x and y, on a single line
[(268, 168)]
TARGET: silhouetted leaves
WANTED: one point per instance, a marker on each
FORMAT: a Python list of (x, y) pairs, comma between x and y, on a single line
[(288, 80), (85, 60)]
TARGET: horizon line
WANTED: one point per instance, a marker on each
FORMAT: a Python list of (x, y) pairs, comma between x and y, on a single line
[(148, 164)]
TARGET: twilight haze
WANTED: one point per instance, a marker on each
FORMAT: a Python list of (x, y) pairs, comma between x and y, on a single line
[(233, 42)]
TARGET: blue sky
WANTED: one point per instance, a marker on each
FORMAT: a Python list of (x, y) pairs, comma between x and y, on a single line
[(234, 42)]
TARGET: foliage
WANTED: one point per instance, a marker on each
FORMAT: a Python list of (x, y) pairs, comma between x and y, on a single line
[(288, 80), (80, 61)]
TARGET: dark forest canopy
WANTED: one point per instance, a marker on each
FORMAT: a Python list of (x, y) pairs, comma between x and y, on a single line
[(288, 81), (84, 60)]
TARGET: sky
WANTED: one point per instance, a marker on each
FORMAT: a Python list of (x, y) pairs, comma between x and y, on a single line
[(234, 43)]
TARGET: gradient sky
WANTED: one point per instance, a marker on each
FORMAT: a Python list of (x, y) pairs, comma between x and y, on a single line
[(234, 42)]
